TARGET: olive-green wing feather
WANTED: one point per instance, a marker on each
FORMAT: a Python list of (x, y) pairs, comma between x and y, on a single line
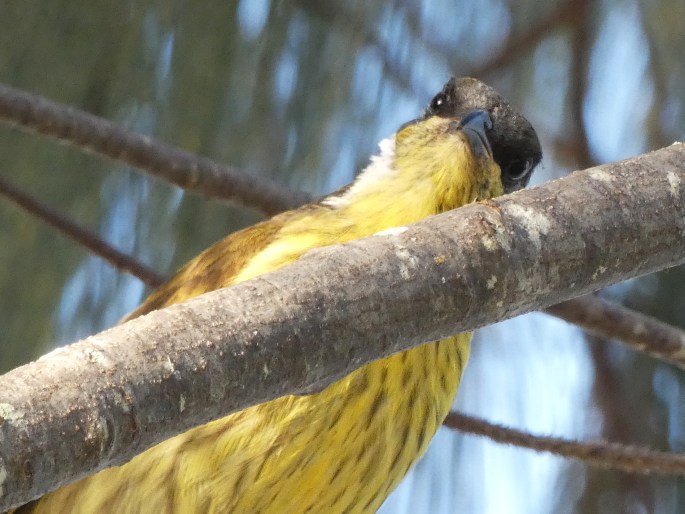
[(214, 268)]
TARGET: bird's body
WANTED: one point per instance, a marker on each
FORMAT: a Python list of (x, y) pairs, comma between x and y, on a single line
[(342, 449)]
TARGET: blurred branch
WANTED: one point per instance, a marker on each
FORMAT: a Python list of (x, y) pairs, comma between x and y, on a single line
[(337, 16), (89, 133), (630, 459), (514, 47), (659, 73), (119, 260), (620, 417), (613, 321), (581, 47), (517, 45)]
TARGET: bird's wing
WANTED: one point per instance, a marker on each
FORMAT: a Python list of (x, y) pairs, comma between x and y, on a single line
[(214, 268)]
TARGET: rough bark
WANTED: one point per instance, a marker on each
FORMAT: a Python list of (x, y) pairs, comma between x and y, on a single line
[(102, 400)]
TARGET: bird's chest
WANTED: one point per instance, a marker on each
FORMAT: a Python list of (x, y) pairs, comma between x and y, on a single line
[(344, 449)]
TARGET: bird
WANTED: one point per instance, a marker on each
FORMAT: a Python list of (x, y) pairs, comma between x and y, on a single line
[(346, 447)]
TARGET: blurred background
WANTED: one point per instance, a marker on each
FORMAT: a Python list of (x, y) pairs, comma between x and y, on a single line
[(301, 92)]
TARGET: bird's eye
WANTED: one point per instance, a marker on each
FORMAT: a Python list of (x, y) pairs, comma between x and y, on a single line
[(438, 102), (517, 170)]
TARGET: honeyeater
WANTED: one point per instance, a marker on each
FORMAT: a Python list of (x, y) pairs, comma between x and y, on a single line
[(344, 448)]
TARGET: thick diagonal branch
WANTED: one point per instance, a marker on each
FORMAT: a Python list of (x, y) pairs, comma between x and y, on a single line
[(100, 401)]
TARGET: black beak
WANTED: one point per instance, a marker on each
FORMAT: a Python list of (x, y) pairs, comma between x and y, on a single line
[(475, 126)]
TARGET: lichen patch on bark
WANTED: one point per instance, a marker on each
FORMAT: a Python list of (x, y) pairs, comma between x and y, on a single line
[(534, 222), (674, 181)]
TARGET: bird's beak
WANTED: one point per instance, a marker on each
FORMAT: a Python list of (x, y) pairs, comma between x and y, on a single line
[(474, 126)]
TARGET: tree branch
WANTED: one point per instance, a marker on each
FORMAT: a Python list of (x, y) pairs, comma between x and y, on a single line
[(602, 454), (595, 315), (102, 400), (35, 114), (518, 44), (581, 48), (68, 227), (609, 320)]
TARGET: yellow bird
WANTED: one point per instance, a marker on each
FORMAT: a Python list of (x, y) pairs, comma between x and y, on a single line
[(345, 448)]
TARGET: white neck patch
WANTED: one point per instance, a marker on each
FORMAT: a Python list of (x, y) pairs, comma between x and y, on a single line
[(380, 168)]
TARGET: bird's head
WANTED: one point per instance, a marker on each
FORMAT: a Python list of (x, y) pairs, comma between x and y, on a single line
[(471, 141)]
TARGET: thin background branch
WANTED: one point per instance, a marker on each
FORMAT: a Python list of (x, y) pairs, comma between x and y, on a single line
[(33, 113), (615, 423), (581, 47), (517, 45), (639, 331), (82, 236), (603, 454)]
